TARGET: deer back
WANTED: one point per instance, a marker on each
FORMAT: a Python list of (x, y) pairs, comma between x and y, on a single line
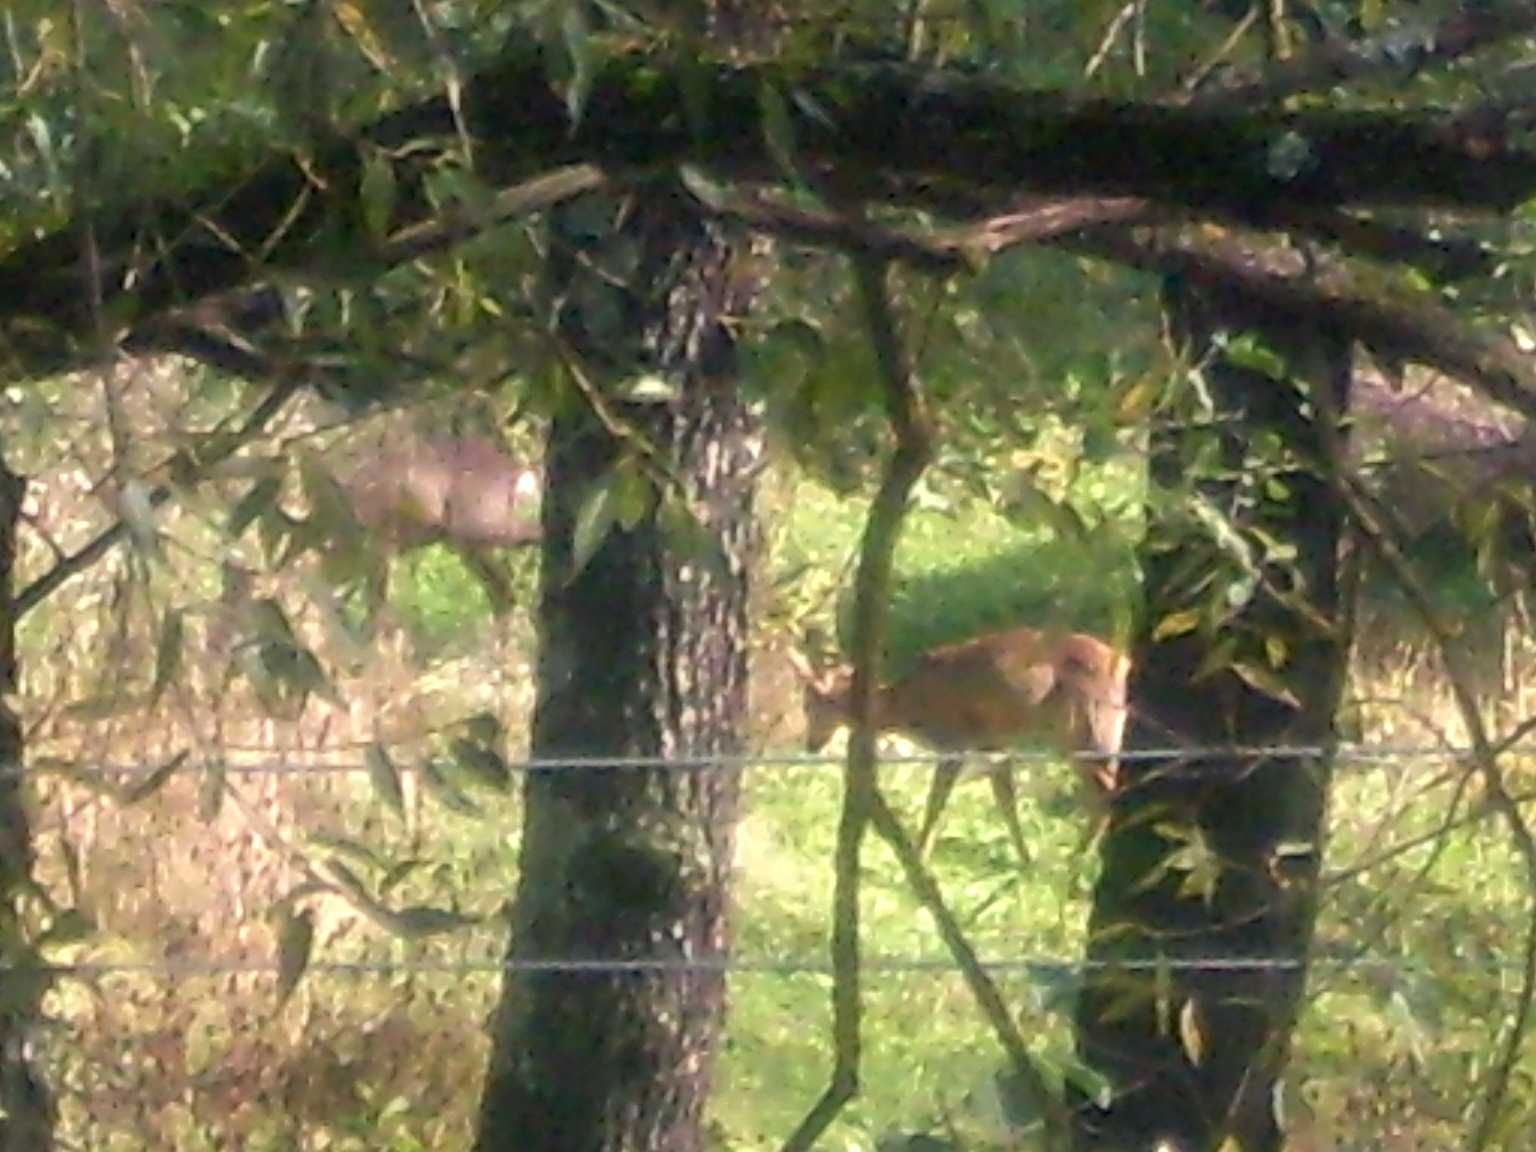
[(459, 489), (992, 692)]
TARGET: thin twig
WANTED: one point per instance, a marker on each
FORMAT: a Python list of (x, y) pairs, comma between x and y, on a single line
[(1403, 847), (1497, 796), (1376, 529), (1110, 38), (1196, 79), (660, 474), (77, 562)]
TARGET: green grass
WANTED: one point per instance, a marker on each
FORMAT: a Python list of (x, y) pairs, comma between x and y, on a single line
[(440, 602)]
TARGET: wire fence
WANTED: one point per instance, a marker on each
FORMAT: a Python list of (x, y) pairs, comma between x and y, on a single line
[(1043, 968), (1359, 754), (1038, 967)]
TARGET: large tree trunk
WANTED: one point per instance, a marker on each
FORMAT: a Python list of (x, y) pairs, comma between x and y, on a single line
[(26, 1108), (643, 654), (1194, 1055)]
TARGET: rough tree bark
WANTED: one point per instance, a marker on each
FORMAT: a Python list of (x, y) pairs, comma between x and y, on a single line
[(642, 653), (26, 1107), (1194, 1056)]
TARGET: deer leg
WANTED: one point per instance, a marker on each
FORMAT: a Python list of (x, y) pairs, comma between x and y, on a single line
[(1001, 776), (945, 776)]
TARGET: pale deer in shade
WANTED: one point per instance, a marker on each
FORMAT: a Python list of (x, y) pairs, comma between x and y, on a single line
[(467, 492), (1065, 691), (463, 490)]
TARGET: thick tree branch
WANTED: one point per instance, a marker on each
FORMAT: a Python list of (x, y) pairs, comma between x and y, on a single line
[(1286, 280), (1126, 230), (871, 130)]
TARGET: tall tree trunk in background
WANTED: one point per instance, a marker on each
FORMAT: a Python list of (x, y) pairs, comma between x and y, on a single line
[(1194, 1056), (642, 653), (26, 1108)]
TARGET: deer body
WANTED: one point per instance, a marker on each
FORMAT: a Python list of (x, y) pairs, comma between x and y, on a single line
[(464, 490), (990, 694)]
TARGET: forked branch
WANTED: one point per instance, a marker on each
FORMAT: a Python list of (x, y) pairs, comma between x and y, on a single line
[(914, 440), (1045, 1103), (863, 803)]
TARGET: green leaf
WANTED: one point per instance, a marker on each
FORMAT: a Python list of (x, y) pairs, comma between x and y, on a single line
[(150, 783), (1176, 624), (210, 791), (778, 129), (42, 140), (419, 921), (1024, 499), (282, 538), (384, 777), (576, 35), (443, 790), (594, 521), (1264, 681), (687, 536), (377, 190), (781, 360), (298, 670), (295, 941), (354, 20), (482, 763), (705, 188), (650, 388), (260, 497), (633, 495), (1137, 402), (397, 873), (1192, 1032), (1094, 1084), (168, 654), (69, 927)]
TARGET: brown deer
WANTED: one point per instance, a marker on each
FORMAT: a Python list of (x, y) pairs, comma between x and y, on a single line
[(990, 694), (454, 489), (465, 491)]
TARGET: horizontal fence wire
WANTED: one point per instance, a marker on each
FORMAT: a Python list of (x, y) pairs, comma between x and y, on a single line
[(1038, 967), (1344, 754)]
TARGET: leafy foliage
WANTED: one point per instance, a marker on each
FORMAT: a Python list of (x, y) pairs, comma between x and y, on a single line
[(264, 611)]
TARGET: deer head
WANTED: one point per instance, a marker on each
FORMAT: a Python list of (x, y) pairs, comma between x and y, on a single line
[(824, 698)]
